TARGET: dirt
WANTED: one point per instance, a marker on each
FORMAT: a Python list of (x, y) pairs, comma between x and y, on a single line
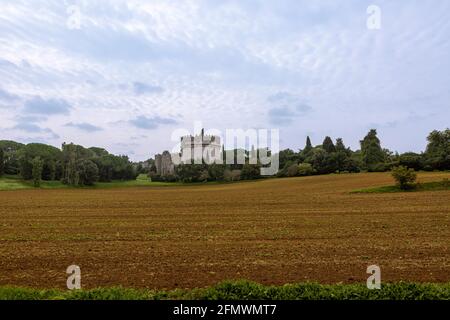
[(274, 231)]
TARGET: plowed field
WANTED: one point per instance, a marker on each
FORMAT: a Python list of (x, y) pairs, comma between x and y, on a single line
[(272, 231)]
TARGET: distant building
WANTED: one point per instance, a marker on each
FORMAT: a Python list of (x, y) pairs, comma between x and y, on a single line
[(200, 147), (203, 148)]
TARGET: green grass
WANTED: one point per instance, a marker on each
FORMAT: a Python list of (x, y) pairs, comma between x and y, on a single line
[(16, 183), (427, 186), (244, 290), (8, 182)]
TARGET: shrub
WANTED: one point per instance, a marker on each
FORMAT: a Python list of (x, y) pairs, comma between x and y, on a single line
[(250, 172), (404, 177), (305, 169), (292, 170), (204, 176), (232, 175), (378, 167)]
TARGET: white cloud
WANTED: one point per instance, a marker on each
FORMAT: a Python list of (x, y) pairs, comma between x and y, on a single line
[(218, 62)]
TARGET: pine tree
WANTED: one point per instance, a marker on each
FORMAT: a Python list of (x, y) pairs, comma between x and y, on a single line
[(328, 145), (308, 146)]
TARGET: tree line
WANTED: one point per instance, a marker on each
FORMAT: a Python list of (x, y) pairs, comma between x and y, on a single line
[(335, 157), (328, 157), (72, 164), (76, 165)]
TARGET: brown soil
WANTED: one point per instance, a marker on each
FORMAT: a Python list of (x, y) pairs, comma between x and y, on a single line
[(273, 231)]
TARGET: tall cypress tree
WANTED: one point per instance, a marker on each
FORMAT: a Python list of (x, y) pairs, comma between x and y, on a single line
[(308, 146), (328, 145)]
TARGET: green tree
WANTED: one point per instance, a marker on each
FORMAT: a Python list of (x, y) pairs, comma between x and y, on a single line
[(286, 156), (2, 162), (204, 176), (250, 172), (305, 169), (328, 145), (411, 160), (37, 165), (308, 146), (405, 177), (372, 153), (437, 154), (322, 161), (216, 171), (11, 151), (46, 153), (69, 155), (232, 175), (87, 172)]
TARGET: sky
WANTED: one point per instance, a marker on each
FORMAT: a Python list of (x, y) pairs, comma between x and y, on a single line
[(126, 74)]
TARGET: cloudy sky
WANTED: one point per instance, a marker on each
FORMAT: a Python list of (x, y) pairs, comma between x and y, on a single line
[(125, 74)]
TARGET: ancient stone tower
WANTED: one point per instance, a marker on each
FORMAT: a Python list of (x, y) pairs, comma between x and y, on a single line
[(164, 164)]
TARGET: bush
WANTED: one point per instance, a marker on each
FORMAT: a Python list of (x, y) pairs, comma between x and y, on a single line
[(292, 170), (250, 172), (404, 177), (379, 167), (204, 176), (232, 175), (216, 171), (305, 169)]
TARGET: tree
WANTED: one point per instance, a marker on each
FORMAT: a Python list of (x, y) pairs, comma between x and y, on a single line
[(352, 164), (404, 177), (37, 164), (11, 151), (216, 171), (372, 153), (2, 162), (46, 153), (328, 145), (305, 169), (340, 159), (69, 155), (250, 172), (232, 175), (286, 156), (322, 161), (204, 176), (411, 160), (308, 146), (437, 154), (87, 172)]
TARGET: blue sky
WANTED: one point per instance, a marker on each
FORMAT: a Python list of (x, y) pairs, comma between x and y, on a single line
[(129, 73)]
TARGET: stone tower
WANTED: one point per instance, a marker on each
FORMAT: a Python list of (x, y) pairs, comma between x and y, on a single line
[(164, 165)]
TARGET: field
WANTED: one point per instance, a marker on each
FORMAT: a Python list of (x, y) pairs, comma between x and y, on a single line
[(274, 231), (16, 183)]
